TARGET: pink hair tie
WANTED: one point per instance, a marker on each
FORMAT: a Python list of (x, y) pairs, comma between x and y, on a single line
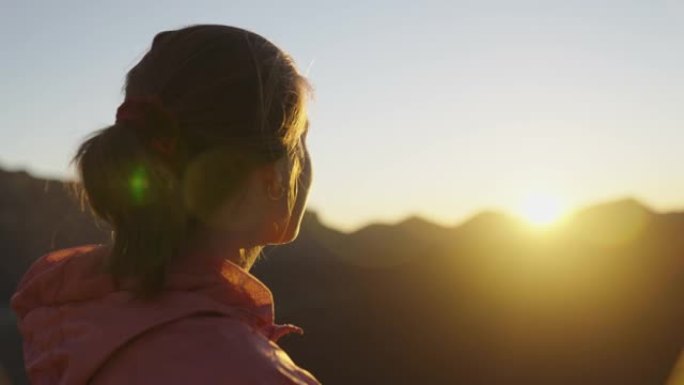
[(154, 124)]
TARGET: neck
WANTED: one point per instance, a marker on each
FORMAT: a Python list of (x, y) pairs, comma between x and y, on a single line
[(223, 246)]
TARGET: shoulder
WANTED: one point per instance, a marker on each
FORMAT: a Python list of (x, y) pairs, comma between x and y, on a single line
[(208, 349)]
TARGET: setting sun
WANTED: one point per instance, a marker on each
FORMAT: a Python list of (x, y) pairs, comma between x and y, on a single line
[(541, 209)]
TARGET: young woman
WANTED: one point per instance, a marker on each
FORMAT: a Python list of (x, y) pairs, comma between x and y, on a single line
[(204, 166)]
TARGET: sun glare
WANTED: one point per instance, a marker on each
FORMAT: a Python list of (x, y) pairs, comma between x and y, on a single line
[(542, 209)]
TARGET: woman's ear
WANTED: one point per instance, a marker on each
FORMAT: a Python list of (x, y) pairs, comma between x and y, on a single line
[(273, 176)]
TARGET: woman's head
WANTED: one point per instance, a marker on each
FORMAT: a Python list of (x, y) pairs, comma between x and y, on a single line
[(209, 140)]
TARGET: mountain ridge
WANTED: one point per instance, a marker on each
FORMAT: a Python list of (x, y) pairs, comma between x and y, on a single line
[(598, 301)]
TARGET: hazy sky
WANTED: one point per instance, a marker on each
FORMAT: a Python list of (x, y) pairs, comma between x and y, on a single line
[(435, 108)]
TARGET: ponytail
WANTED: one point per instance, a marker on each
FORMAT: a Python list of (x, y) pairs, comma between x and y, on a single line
[(138, 194)]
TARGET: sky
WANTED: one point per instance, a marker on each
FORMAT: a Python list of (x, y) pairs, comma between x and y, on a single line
[(432, 108)]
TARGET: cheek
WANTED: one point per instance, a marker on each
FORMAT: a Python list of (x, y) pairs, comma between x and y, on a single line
[(305, 180), (303, 188), (307, 171)]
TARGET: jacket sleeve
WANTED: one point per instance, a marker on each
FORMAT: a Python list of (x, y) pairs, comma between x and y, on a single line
[(201, 350)]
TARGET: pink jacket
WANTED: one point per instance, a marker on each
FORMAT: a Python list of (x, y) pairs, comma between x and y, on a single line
[(212, 325)]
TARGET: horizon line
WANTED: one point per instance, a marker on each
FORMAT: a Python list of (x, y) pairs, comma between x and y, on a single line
[(506, 212)]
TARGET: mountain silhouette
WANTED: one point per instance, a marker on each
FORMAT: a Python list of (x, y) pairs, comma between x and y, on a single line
[(599, 300)]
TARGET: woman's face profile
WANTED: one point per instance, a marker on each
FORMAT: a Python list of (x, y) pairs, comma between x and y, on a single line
[(262, 219), (303, 187)]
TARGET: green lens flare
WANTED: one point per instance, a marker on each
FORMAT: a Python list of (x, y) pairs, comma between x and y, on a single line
[(139, 185)]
